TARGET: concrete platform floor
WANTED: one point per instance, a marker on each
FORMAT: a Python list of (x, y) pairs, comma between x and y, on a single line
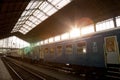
[(4, 74)]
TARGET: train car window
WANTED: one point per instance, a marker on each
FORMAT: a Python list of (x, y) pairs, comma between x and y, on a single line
[(81, 47), (52, 50), (94, 46), (59, 49), (69, 49), (46, 50)]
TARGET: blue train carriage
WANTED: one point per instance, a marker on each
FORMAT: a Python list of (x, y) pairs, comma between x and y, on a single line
[(83, 54), (87, 53), (55, 52), (102, 49)]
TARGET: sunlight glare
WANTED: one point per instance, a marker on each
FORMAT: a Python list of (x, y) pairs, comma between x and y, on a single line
[(65, 36), (87, 30), (75, 32)]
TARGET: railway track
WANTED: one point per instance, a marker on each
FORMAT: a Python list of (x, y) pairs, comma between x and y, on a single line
[(24, 73), (58, 69), (71, 71)]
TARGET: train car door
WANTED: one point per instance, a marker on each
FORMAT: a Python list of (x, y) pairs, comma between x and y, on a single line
[(111, 50)]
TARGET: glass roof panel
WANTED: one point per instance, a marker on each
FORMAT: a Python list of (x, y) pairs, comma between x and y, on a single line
[(37, 11), (26, 31), (52, 11), (43, 17), (33, 25), (14, 30), (23, 29), (62, 3), (28, 12), (32, 18), (54, 2), (34, 5), (50, 0), (24, 12), (26, 26), (37, 22), (12, 42), (48, 8), (19, 19), (40, 15), (20, 22), (30, 4), (29, 28), (43, 5), (17, 26), (28, 23)]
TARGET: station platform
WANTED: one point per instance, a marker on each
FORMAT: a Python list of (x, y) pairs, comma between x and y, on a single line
[(4, 74)]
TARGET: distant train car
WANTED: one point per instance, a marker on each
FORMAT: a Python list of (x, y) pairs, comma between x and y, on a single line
[(36, 53), (14, 52), (91, 51), (31, 53)]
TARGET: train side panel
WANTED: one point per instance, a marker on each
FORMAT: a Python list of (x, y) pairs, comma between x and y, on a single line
[(85, 51), (69, 53), (95, 55), (60, 53)]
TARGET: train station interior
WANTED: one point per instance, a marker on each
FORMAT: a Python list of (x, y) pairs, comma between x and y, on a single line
[(59, 39)]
